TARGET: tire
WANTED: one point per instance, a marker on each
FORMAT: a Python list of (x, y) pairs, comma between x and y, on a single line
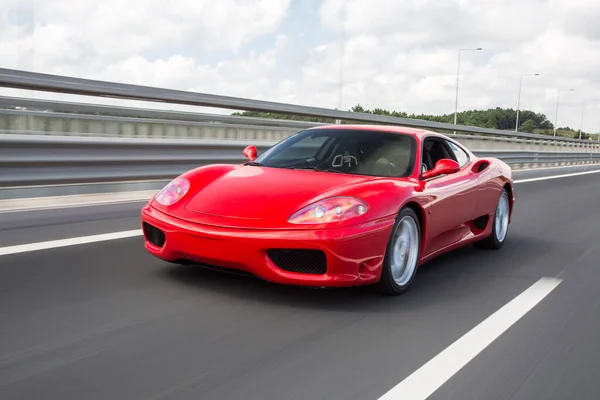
[(407, 229), (499, 225)]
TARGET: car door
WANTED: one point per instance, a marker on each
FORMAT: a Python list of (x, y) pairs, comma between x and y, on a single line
[(453, 197), (487, 187)]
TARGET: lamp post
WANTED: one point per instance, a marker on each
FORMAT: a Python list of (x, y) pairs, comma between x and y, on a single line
[(457, 79), (557, 101), (581, 125), (519, 99), (582, 113), (342, 57)]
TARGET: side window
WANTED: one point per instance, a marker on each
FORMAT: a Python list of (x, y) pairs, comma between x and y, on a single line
[(461, 156), (434, 149)]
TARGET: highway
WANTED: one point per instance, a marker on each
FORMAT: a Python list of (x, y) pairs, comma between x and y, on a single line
[(108, 321)]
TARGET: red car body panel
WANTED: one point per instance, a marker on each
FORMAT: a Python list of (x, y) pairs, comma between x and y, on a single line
[(233, 215), (354, 254)]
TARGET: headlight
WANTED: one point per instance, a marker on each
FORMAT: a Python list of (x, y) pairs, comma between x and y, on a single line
[(334, 209), (173, 192)]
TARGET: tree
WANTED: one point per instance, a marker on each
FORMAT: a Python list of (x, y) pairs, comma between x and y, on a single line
[(528, 126), (493, 118)]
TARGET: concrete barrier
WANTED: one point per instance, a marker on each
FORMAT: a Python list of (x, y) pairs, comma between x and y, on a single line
[(63, 124)]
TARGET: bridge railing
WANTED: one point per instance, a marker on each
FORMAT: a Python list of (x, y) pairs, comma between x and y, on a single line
[(33, 160), (75, 119), (45, 142), (219, 127), (17, 79)]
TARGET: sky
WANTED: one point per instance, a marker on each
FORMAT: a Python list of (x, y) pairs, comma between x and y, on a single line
[(393, 54)]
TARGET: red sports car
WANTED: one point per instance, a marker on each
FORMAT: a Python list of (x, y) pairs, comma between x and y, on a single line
[(340, 205)]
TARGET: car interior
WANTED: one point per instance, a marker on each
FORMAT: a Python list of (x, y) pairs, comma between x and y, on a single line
[(378, 156), (435, 149), (371, 157)]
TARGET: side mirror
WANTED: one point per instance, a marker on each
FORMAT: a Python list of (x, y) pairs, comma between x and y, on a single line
[(444, 166), (251, 153)]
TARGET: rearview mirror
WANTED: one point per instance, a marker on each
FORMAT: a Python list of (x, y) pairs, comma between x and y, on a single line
[(444, 166), (251, 153)]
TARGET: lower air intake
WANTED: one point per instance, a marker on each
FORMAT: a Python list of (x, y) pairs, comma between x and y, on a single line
[(154, 235), (312, 262)]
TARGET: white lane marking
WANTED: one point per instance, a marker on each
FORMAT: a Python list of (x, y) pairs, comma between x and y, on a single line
[(556, 167), (98, 183), (544, 178), (431, 376), (76, 200), (75, 205), (52, 244)]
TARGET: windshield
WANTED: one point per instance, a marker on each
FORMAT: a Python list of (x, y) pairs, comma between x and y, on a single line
[(351, 151)]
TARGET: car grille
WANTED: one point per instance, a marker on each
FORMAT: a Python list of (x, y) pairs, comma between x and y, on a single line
[(299, 260)]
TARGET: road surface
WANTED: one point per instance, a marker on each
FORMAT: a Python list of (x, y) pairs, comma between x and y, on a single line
[(108, 321)]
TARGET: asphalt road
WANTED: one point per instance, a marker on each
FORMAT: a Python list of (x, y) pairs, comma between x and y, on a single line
[(107, 321)]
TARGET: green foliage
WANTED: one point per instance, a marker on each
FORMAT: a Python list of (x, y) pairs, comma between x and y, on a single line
[(493, 118), (528, 126), (573, 133), (257, 114)]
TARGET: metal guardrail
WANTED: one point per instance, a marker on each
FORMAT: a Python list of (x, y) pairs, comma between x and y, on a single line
[(61, 84), (75, 119), (29, 158), (202, 126), (49, 160), (66, 109), (520, 158)]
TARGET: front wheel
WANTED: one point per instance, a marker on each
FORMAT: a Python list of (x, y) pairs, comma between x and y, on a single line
[(402, 254), (500, 224)]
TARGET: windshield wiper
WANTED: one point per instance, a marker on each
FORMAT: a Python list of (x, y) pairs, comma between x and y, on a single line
[(323, 169), (253, 163), (314, 168), (302, 167)]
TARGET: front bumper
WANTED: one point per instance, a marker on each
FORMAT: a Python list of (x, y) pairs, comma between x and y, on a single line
[(349, 256)]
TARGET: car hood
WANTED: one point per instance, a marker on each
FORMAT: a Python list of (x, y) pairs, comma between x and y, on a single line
[(263, 193)]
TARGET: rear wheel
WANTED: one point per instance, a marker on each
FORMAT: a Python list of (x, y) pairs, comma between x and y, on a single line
[(402, 254), (500, 225)]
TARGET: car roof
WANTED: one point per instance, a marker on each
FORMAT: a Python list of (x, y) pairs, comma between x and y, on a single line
[(419, 133)]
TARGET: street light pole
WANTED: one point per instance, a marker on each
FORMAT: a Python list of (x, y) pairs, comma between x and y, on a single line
[(457, 79), (342, 56), (519, 99), (581, 126), (582, 113), (557, 101)]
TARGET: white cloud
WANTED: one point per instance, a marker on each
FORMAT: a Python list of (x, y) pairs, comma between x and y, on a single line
[(75, 34), (438, 22), (118, 41), (415, 54), (398, 54)]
